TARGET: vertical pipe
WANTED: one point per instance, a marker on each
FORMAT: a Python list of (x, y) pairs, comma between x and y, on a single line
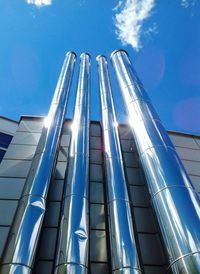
[(73, 241), (23, 239), (175, 202), (123, 248)]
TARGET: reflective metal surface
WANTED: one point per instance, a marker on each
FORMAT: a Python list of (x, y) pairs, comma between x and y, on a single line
[(23, 238), (175, 202), (73, 241), (123, 248)]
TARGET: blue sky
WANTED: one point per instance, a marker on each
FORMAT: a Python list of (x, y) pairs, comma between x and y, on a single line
[(161, 36)]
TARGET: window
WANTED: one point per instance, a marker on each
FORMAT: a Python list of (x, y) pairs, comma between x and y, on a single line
[(5, 139), (2, 152)]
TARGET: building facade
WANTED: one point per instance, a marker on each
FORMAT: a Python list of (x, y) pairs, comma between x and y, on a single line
[(63, 213), (15, 167), (7, 129)]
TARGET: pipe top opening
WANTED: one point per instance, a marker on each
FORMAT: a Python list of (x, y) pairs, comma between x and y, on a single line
[(84, 54), (117, 50), (100, 56), (71, 52)]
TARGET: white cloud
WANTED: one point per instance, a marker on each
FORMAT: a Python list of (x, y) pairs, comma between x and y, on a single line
[(184, 3), (40, 3), (129, 20), (188, 3)]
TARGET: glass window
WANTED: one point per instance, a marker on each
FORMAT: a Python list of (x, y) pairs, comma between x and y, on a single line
[(2, 152), (5, 139)]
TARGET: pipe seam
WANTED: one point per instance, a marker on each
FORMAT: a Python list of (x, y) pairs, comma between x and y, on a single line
[(182, 257), (172, 186), (142, 154)]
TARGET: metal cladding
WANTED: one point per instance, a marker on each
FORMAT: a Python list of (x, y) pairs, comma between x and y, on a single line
[(124, 255), (175, 202), (23, 239), (73, 241)]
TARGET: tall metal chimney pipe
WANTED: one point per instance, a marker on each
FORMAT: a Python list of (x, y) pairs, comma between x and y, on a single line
[(73, 241), (175, 202), (123, 248), (23, 239)]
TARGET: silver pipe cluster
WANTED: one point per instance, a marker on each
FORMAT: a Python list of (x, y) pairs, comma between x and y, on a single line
[(25, 232), (73, 242), (124, 255), (175, 202)]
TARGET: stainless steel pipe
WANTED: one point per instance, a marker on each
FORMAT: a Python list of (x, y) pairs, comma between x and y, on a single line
[(73, 241), (124, 255), (23, 239), (175, 201)]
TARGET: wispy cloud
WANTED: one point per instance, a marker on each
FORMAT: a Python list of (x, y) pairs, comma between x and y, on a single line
[(40, 3), (188, 3), (129, 19)]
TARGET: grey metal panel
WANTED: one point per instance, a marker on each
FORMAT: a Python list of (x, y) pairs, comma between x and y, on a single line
[(144, 220), (95, 142), (128, 145), (197, 139), (99, 268), (26, 138), (30, 125), (20, 152), (193, 168), (7, 211), (95, 156), (151, 249), (60, 170), (98, 248), (97, 216), (52, 214), (139, 196), (96, 173), (95, 130), (125, 133), (96, 193), (183, 141), (196, 182), (65, 140), (67, 129), (155, 270), (131, 159), (44, 267), (56, 190), (3, 237), (188, 154), (134, 176), (63, 154), (11, 188), (167, 179), (48, 244), (15, 168)]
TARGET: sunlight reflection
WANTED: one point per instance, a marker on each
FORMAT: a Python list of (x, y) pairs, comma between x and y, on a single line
[(47, 121)]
